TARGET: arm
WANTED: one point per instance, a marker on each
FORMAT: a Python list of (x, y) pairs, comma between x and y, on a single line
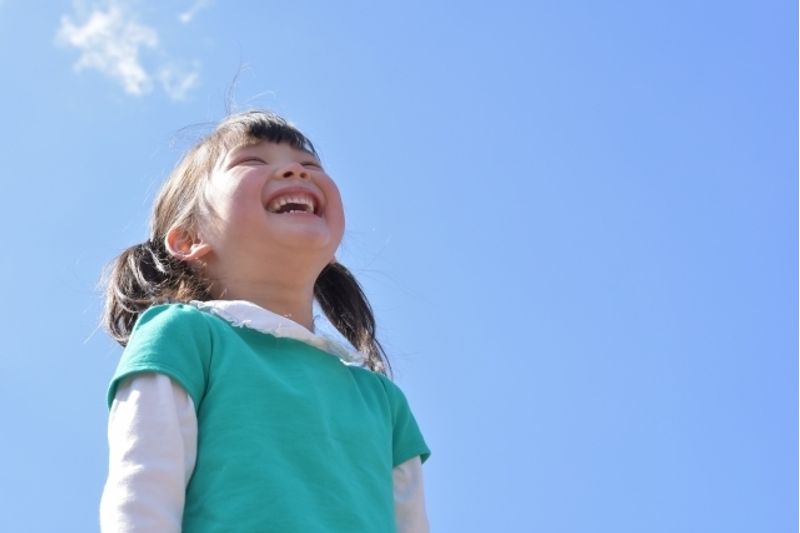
[(409, 497), (152, 437)]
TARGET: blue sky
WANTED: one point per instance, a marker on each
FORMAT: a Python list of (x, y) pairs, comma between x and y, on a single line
[(576, 221)]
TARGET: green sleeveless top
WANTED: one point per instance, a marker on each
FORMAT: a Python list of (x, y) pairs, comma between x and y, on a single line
[(290, 438)]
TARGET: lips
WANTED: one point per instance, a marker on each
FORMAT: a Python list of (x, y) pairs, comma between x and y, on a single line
[(294, 200)]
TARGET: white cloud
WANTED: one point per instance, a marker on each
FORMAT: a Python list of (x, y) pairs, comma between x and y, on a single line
[(187, 16), (112, 39), (177, 82), (110, 42)]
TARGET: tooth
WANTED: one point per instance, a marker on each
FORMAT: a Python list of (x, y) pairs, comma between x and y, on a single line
[(307, 201)]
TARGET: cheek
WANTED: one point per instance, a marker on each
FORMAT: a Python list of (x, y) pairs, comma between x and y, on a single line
[(336, 208), (226, 187), (233, 207)]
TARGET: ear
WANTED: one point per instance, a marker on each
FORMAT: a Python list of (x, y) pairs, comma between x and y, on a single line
[(185, 245)]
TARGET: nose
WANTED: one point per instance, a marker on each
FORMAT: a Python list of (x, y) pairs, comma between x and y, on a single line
[(293, 170)]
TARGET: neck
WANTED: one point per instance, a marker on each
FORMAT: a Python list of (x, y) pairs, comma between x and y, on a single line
[(294, 303), (283, 284)]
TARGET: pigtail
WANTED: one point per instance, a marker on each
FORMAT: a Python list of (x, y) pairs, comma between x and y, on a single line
[(144, 275), (345, 304)]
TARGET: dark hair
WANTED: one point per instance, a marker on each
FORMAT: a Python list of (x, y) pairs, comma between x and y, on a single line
[(147, 274)]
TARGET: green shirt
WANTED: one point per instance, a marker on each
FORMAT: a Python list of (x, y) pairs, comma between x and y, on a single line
[(290, 439)]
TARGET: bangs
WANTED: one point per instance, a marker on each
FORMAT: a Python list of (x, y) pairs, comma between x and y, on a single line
[(252, 127)]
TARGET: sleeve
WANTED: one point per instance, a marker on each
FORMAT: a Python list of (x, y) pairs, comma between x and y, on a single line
[(172, 339), (407, 440), (409, 497), (152, 439)]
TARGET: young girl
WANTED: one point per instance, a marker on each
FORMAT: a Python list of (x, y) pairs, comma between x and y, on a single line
[(228, 412)]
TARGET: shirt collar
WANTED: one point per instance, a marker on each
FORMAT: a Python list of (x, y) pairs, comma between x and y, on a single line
[(241, 313)]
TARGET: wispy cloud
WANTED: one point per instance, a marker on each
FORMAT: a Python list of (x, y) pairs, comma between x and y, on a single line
[(187, 16), (177, 82), (110, 42)]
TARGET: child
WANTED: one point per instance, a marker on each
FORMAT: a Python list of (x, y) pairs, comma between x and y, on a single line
[(228, 412)]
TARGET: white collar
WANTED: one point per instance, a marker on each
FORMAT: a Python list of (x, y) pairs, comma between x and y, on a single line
[(241, 313)]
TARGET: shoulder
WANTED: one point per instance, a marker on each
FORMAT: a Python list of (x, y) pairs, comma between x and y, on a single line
[(407, 439), (365, 375), (169, 317), (379, 384), (177, 321), (173, 339)]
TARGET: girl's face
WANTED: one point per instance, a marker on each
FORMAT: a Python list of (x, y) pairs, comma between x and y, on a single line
[(272, 203)]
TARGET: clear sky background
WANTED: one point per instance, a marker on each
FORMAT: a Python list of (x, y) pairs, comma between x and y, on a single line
[(576, 221)]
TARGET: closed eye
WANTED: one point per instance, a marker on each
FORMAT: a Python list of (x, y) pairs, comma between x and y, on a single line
[(253, 160), (311, 164), (250, 161)]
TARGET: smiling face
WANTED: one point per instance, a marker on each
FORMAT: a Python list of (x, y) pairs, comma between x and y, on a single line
[(271, 205)]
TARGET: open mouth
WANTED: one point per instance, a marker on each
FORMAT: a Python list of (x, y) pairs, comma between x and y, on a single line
[(294, 203)]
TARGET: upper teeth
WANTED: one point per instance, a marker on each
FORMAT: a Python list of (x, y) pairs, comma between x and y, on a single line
[(302, 199)]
